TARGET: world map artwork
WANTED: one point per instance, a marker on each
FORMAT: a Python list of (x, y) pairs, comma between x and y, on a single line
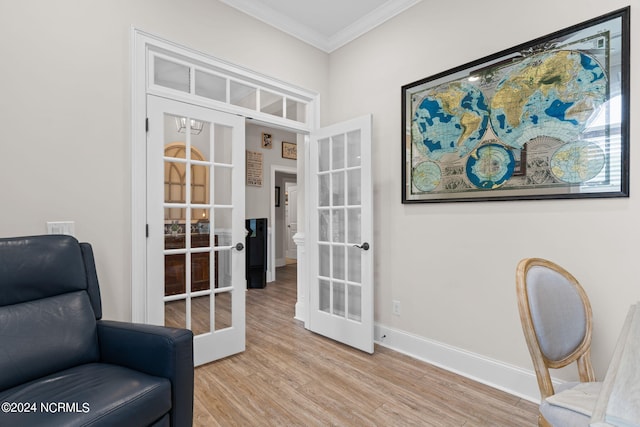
[(470, 134)]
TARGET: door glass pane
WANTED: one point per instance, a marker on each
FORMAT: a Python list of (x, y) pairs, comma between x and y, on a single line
[(338, 262), (222, 311), (222, 182), (353, 225), (222, 271), (174, 274), (200, 140), (354, 190), (211, 86), (323, 225), (324, 159), (223, 144), (243, 95), (353, 149), (324, 296), (338, 299), (171, 74), (174, 228), (271, 103), (200, 184), (355, 265), (325, 260), (200, 270), (338, 188), (355, 303), (221, 224), (324, 190), (175, 187), (337, 152), (175, 314), (199, 220), (201, 315), (200, 229), (338, 225)]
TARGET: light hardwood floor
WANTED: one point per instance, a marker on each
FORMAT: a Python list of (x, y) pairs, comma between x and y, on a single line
[(289, 376)]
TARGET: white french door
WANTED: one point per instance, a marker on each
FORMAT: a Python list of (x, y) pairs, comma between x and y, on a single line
[(341, 228), (195, 217)]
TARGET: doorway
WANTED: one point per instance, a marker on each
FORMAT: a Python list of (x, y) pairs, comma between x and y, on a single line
[(243, 92)]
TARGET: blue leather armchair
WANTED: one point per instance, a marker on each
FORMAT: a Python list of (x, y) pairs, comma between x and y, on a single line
[(61, 365)]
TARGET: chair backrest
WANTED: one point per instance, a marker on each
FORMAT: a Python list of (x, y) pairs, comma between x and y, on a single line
[(49, 303), (556, 319)]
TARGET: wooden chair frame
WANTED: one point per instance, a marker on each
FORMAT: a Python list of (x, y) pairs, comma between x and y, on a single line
[(581, 355)]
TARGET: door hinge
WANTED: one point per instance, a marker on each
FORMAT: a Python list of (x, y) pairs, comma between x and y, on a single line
[(146, 230), (146, 124)]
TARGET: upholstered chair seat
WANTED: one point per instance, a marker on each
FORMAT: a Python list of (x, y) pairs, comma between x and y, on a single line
[(556, 319)]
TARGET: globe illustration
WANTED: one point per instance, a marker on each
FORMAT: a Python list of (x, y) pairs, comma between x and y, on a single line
[(426, 176), (490, 166), (577, 162), (450, 118)]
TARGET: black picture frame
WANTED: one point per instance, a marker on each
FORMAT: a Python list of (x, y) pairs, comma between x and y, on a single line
[(277, 197), (547, 119)]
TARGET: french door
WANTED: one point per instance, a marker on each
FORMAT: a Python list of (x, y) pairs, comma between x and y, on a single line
[(195, 217), (341, 229)]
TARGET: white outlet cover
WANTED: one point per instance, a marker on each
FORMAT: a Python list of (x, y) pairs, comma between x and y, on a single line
[(61, 227)]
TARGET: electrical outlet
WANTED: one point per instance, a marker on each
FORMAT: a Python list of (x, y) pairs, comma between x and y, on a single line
[(396, 307), (61, 227)]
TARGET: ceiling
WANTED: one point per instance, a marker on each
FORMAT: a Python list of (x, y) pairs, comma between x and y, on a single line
[(325, 24)]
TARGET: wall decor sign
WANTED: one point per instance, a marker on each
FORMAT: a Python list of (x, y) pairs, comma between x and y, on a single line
[(254, 168), (545, 119), (289, 150)]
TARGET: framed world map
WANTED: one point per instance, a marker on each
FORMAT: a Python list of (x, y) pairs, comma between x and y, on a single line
[(545, 119)]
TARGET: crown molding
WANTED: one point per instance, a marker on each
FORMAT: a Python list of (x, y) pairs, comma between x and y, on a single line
[(292, 27), (368, 22)]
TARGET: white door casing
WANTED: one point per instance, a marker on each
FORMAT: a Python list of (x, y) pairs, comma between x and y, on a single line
[(340, 230), (145, 47), (195, 216)]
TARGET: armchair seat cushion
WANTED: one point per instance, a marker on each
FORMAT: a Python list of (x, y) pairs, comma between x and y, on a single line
[(572, 405), (94, 394)]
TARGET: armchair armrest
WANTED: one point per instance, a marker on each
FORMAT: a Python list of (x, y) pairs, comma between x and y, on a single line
[(154, 350)]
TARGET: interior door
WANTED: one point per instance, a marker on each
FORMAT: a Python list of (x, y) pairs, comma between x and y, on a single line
[(291, 199), (341, 228), (195, 216)]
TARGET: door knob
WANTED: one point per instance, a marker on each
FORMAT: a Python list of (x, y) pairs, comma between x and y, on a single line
[(239, 246), (364, 246)]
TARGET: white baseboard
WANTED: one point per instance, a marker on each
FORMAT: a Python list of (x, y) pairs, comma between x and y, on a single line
[(511, 379), (281, 262)]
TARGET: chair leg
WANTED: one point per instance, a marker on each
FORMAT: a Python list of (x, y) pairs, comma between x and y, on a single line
[(542, 422)]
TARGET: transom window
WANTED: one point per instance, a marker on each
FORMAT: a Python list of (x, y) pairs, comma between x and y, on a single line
[(205, 83)]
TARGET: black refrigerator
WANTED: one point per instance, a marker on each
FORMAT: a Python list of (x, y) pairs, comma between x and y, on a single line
[(256, 253)]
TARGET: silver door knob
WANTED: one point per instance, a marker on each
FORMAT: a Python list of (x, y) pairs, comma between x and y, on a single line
[(239, 246)]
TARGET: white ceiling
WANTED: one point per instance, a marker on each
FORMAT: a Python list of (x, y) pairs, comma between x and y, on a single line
[(325, 24)]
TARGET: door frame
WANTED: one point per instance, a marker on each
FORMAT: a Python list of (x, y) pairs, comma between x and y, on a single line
[(272, 213), (287, 233), (141, 42)]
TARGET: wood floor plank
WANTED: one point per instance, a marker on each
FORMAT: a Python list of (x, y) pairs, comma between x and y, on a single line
[(289, 376)]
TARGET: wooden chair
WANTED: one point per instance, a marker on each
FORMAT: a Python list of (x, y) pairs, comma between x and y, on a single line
[(556, 319)]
